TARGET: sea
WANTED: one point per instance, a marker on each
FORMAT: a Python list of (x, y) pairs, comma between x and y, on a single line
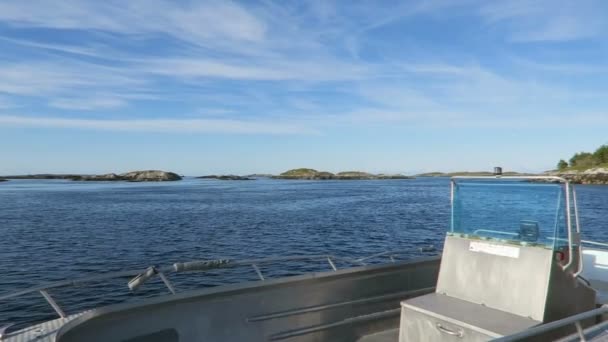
[(51, 230)]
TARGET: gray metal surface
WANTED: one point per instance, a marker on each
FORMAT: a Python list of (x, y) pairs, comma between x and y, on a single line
[(418, 326), (391, 335), (328, 306), (44, 332), (542, 330), (515, 285), (471, 316), (567, 296)]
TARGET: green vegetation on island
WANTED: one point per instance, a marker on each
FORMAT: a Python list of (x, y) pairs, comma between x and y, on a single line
[(585, 167), (312, 174), (582, 161)]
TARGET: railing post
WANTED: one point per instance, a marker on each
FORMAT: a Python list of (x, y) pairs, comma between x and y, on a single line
[(167, 282), (54, 304), (579, 329), (3, 330), (257, 270), (331, 263)]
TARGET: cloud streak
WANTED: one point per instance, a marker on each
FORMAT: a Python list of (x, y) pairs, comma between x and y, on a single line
[(197, 22), (160, 125)]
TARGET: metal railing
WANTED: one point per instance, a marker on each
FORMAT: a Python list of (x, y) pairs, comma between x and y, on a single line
[(141, 276), (594, 243), (545, 328)]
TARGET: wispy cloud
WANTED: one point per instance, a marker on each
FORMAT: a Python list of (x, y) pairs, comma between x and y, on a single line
[(198, 22), (277, 70), (90, 103), (546, 20), (43, 79), (161, 125)]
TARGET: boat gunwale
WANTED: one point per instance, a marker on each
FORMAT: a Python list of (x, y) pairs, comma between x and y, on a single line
[(239, 288)]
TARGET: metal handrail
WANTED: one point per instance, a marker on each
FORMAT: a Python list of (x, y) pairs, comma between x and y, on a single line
[(557, 178), (575, 319), (141, 276), (595, 243), (493, 232)]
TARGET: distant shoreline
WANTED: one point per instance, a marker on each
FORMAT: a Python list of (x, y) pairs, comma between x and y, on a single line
[(595, 176)]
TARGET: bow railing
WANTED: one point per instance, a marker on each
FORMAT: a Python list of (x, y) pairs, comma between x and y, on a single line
[(142, 276)]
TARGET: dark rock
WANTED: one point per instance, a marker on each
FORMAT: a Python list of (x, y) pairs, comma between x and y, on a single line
[(44, 176), (226, 177), (260, 175), (597, 176)]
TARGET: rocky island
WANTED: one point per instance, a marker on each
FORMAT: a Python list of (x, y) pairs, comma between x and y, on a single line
[(470, 173), (595, 175), (585, 167), (134, 176), (312, 174), (226, 177)]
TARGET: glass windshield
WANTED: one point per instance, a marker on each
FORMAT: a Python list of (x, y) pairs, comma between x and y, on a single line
[(518, 211)]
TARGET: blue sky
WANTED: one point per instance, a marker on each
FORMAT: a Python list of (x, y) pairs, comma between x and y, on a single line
[(202, 87)]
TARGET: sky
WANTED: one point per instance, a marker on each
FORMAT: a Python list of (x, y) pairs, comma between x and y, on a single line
[(202, 87)]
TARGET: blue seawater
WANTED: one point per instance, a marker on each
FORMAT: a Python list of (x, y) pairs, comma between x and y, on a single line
[(53, 229)]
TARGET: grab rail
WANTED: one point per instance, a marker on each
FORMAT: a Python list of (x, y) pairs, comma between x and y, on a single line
[(595, 243), (141, 276), (541, 329)]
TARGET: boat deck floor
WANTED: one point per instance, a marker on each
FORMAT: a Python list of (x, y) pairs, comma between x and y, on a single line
[(43, 332), (391, 335)]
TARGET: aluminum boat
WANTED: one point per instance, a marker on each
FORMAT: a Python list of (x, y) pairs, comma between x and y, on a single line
[(512, 267)]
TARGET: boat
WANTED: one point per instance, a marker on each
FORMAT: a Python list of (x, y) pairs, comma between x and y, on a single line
[(513, 267)]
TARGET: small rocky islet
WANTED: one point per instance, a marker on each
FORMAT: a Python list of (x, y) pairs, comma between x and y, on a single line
[(133, 176), (591, 176), (595, 176), (312, 174), (226, 177)]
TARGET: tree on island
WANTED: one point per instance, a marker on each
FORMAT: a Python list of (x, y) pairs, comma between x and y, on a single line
[(582, 159), (601, 154), (585, 160)]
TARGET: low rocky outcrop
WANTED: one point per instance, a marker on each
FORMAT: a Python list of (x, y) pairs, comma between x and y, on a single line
[(226, 177), (470, 173), (135, 176), (395, 176), (597, 175), (3, 180), (353, 175), (304, 173), (44, 176), (312, 174), (260, 175)]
